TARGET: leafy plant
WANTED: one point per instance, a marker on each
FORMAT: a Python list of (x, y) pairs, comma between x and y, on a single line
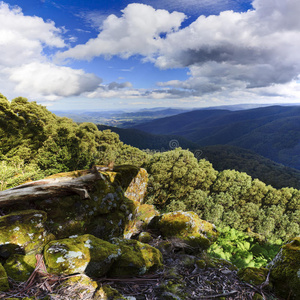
[(243, 250)]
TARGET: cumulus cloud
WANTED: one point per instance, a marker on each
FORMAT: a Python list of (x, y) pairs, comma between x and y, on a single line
[(50, 79), (137, 31), (245, 51), (23, 64), (258, 47)]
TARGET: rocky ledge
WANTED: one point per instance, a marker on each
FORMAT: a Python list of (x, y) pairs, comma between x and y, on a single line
[(88, 235)]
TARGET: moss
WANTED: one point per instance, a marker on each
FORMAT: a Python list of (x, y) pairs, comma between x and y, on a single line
[(201, 263), (257, 297), (4, 285), (213, 262), (84, 254), (197, 233), (136, 259), (173, 290), (145, 237), (255, 276), (19, 267), (285, 269), (72, 174), (80, 284), (24, 229), (106, 292), (133, 181), (145, 214)]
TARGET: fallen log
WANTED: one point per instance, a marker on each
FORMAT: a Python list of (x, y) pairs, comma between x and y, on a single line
[(52, 187)]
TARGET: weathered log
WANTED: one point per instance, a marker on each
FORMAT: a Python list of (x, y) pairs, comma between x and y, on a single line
[(51, 187)]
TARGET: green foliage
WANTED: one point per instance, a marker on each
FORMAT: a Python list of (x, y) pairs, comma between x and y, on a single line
[(14, 173), (243, 250), (34, 143), (174, 174), (228, 198), (44, 144)]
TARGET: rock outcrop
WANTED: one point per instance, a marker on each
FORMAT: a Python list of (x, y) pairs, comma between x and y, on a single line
[(90, 228), (285, 270)]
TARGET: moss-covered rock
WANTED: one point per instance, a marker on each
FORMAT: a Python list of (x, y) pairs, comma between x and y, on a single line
[(109, 212), (187, 226), (106, 292), (77, 285), (19, 267), (285, 270), (4, 285), (145, 237), (255, 276), (145, 214), (136, 259), (173, 290), (133, 181), (24, 229), (84, 254)]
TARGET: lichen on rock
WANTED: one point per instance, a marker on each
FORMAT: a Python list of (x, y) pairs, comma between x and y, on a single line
[(106, 292), (24, 229), (77, 285), (83, 254), (19, 267), (187, 226), (136, 259)]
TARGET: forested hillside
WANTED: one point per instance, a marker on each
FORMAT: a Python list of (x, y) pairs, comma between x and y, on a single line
[(221, 156), (273, 132), (144, 140), (35, 143)]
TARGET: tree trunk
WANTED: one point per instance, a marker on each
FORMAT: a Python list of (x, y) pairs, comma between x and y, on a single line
[(51, 187)]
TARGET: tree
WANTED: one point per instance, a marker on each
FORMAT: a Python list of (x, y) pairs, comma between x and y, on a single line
[(173, 176)]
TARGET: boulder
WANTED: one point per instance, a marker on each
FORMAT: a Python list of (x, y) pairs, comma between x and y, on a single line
[(187, 226), (254, 276), (104, 204), (285, 270), (83, 254), (106, 292), (19, 267), (77, 285), (136, 259), (133, 181), (23, 231)]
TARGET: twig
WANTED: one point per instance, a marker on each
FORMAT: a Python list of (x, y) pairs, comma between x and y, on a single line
[(220, 295)]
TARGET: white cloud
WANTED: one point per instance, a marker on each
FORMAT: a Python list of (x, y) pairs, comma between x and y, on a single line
[(137, 31), (50, 79), (233, 52), (25, 68)]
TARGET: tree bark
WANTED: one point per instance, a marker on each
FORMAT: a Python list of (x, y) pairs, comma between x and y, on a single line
[(52, 187)]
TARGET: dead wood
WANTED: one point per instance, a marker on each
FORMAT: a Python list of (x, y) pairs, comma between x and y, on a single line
[(51, 187)]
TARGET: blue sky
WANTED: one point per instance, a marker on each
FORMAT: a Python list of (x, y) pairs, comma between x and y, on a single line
[(103, 55)]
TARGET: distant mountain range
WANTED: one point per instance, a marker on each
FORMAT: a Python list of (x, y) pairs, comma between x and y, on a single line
[(273, 132), (221, 156), (120, 118)]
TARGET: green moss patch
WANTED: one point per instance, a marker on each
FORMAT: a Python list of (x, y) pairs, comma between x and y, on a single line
[(136, 259), (285, 269), (255, 276), (187, 226), (24, 229), (19, 267), (84, 254)]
